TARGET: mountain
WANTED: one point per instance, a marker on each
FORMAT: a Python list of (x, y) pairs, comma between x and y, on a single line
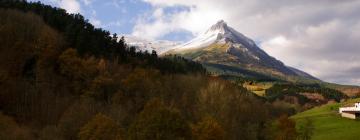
[(223, 50), (141, 44)]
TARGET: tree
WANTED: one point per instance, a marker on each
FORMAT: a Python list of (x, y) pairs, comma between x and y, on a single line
[(115, 37), (158, 122), (122, 40), (208, 129), (306, 130), (101, 88), (100, 127), (238, 113), (141, 85), (286, 129), (70, 64), (10, 130), (154, 54)]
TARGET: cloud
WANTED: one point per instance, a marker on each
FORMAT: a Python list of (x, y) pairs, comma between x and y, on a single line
[(117, 23), (329, 51), (94, 21), (190, 18), (115, 3), (71, 6), (157, 24), (87, 2), (319, 37)]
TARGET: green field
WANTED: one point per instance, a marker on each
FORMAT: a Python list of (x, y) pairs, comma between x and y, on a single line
[(328, 124)]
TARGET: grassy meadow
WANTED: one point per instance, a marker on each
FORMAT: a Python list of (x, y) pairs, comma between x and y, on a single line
[(329, 125)]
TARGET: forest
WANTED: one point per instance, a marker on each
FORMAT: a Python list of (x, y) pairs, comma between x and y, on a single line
[(62, 78)]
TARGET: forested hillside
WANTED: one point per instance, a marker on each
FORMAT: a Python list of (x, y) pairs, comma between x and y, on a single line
[(90, 41), (61, 78)]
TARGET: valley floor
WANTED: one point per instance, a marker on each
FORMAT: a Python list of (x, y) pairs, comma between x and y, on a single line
[(329, 125)]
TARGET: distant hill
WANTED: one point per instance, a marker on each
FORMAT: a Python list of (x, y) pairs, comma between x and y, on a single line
[(329, 125)]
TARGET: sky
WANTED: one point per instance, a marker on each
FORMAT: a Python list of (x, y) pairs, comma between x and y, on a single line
[(320, 37)]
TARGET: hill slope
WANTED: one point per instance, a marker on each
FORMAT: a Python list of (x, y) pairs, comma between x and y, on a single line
[(328, 124)]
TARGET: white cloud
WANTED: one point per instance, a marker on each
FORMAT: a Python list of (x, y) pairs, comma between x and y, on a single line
[(115, 3), (328, 51), (161, 24), (192, 20), (117, 23), (87, 2), (71, 6), (320, 37), (95, 22), (278, 41)]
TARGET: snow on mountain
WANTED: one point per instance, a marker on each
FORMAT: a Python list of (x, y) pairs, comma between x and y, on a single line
[(218, 33), (160, 46), (239, 45), (240, 50), (223, 45)]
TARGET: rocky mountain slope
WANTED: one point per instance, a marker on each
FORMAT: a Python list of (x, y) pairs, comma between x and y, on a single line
[(226, 51)]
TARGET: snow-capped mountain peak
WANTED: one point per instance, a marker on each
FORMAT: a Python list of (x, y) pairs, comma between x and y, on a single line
[(219, 27), (217, 33), (222, 45), (237, 49)]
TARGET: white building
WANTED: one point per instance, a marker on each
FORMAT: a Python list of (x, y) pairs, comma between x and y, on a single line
[(350, 112)]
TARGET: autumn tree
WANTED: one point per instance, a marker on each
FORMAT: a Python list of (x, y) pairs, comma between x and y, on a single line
[(10, 130), (76, 68), (101, 88), (208, 129), (140, 85), (285, 129), (76, 116), (158, 122), (238, 112), (101, 127)]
